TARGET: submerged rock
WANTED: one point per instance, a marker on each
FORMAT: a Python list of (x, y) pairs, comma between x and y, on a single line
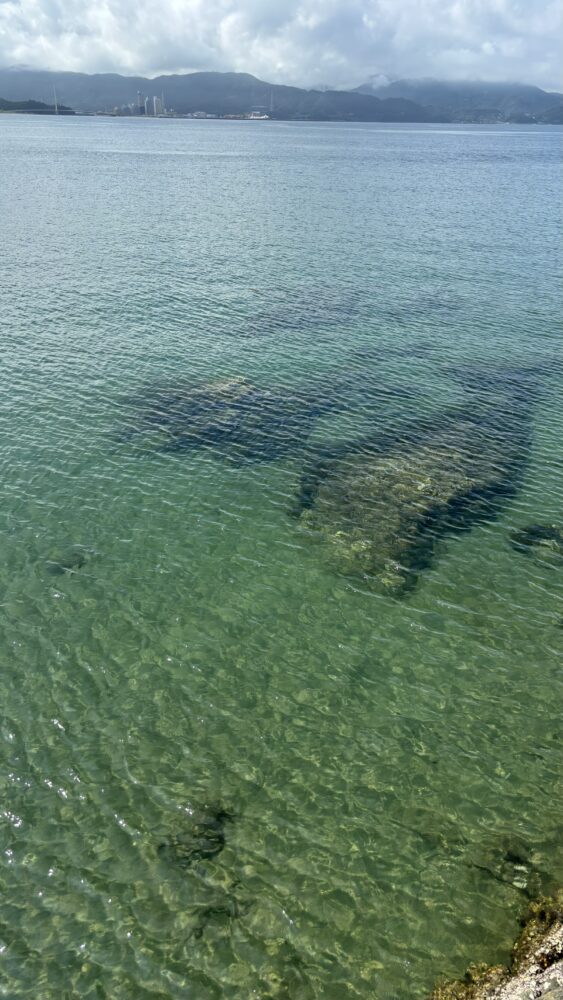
[(217, 913), (536, 967), (511, 861), (543, 540), (202, 837), (66, 561), (413, 350), (242, 421), (245, 423), (380, 508), (287, 977), (520, 383), (313, 309)]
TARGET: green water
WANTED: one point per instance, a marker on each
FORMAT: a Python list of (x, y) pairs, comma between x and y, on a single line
[(382, 759)]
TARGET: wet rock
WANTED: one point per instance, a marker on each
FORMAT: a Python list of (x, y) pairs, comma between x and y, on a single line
[(542, 540), (541, 939), (380, 508), (67, 561), (479, 982), (202, 837), (536, 967)]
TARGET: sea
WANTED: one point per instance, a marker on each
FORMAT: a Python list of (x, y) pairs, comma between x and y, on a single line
[(237, 759)]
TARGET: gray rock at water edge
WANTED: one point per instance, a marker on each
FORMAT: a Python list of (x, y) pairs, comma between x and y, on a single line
[(536, 968)]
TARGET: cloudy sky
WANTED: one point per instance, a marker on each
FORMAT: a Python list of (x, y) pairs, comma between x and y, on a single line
[(306, 42)]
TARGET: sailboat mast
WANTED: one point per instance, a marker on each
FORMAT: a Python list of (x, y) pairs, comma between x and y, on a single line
[(56, 104)]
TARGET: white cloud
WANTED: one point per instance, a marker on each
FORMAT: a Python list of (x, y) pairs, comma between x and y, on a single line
[(290, 41)]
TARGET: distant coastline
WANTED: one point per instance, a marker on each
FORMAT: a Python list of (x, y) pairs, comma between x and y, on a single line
[(240, 96), (36, 108), (30, 107)]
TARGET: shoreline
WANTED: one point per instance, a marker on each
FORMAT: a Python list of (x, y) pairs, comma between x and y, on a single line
[(536, 966)]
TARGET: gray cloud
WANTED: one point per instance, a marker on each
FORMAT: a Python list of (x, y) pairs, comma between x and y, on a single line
[(306, 42)]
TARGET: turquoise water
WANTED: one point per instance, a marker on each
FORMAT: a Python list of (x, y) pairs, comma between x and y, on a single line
[(176, 642)]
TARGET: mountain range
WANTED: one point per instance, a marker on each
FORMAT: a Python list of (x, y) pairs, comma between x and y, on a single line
[(465, 100), (240, 93)]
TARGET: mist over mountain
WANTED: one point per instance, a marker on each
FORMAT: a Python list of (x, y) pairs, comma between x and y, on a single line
[(461, 100), (300, 42)]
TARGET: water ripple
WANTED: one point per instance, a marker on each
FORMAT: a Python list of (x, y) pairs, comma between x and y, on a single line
[(211, 333)]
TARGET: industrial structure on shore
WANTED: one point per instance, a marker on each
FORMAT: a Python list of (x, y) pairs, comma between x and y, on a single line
[(146, 107), (154, 107)]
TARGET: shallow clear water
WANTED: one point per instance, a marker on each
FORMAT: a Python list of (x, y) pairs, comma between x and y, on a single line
[(392, 765)]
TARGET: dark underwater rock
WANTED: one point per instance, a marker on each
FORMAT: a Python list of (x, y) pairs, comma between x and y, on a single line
[(233, 416), (305, 312), (509, 860), (287, 977), (245, 423), (544, 540), (513, 381), (67, 561), (380, 508), (216, 913), (202, 837), (536, 967), (412, 350)]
